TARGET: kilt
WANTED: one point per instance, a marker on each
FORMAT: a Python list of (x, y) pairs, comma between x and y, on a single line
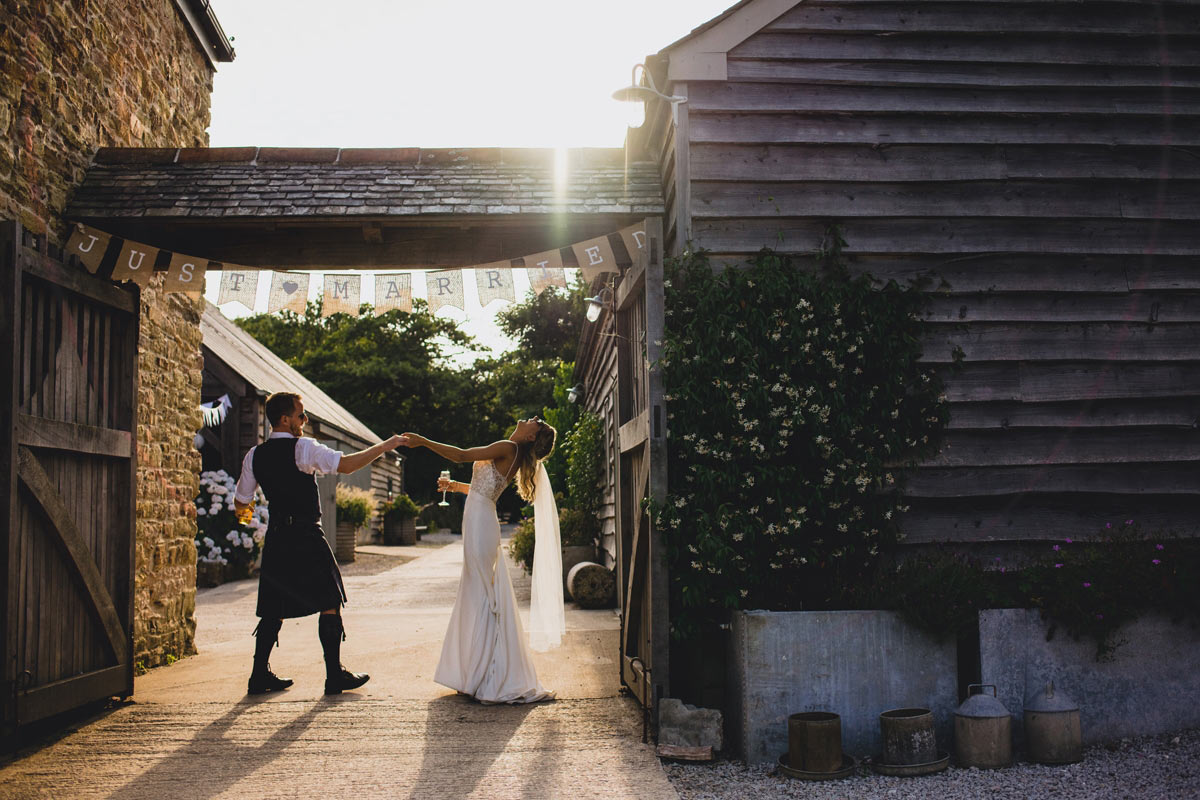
[(299, 574)]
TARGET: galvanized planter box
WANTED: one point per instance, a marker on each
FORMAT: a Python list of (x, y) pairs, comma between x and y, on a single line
[(854, 663), (1151, 684)]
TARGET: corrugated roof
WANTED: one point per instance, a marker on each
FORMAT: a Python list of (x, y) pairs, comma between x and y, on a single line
[(267, 372), (256, 182)]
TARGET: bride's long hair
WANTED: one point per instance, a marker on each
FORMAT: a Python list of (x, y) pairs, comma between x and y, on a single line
[(529, 455)]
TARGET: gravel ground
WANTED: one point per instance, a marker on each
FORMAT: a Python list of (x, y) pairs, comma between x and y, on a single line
[(1146, 767)]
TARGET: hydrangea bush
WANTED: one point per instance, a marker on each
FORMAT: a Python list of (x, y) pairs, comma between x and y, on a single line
[(795, 397), (221, 538)]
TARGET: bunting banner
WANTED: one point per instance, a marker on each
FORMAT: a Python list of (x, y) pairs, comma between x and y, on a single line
[(393, 293), (495, 282), (238, 285), (289, 290), (135, 263), (341, 295), (88, 245), (444, 288), (634, 238), (185, 274), (343, 292), (595, 257), (545, 270)]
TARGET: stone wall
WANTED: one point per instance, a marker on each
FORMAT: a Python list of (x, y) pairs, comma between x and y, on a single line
[(74, 76)]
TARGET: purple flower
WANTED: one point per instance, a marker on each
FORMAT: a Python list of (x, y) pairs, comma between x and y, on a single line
[(1087, 585), (1108, 524), (1099, 616), (1128, 522), (1068, 540), (1155, 561), (1058, 566), (1056, 548), (1159, 547)]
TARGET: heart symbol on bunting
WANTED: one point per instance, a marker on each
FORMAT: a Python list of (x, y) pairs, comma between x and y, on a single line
[(290, 286)]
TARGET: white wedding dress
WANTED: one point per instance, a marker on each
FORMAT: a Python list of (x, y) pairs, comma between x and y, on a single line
[(485, 653)]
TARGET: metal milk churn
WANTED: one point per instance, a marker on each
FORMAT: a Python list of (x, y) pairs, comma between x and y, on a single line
[(982, 730), (1052, 732)]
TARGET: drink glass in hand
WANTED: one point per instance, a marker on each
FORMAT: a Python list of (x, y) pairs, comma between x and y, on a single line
[(446, 475), (246, 514)]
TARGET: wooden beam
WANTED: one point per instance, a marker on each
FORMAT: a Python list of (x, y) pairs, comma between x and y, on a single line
[(635, 432), (56, 435), (40, 266), (79, 558), (10, 366), (70, 693)]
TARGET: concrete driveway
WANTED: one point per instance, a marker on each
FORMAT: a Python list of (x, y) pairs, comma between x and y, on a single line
[(192, 732)]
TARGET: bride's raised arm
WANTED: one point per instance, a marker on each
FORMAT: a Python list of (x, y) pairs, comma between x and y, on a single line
[(458, 455)]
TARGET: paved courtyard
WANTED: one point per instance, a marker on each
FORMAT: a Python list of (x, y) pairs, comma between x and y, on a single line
[(192, 732)]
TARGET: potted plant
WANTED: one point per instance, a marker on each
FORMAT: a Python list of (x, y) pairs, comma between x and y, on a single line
[(400, 520), (354, 509)]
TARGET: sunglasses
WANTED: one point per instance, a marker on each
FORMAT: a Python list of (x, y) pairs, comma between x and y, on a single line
[(302, 416)]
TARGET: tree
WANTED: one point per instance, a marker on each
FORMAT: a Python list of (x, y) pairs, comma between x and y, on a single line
[(547, 325), (390, 372)]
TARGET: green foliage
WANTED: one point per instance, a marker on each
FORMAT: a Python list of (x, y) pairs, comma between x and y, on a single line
[(547, 325), (438, 517), (561, 415), (354, 505), (400, 507), (577, 528), (1093, 588), (794, 396), (941, 592), (520, 544), (584, 449)]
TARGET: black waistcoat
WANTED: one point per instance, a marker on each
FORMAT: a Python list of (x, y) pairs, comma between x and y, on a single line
[(290, 492)]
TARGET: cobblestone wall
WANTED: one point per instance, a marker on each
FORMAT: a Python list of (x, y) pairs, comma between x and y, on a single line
[(76, 75)]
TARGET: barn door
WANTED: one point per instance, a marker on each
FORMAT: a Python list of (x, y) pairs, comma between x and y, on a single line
[(69, 372), (641, 474)]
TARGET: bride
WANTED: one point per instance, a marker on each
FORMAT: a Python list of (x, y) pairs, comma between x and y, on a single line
[(484, 654)]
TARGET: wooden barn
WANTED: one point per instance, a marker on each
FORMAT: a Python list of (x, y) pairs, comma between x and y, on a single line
[(1035, 158), (238, 366)]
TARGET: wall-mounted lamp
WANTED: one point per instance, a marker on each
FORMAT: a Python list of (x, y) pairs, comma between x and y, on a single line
[(596, 304), (574, 393), (636, 93)]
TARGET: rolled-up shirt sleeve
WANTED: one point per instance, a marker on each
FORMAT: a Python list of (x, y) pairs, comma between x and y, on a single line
[(247, 483), (312, 456)]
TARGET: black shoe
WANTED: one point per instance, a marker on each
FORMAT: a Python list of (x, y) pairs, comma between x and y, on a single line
[(261, 683), (344, 681)]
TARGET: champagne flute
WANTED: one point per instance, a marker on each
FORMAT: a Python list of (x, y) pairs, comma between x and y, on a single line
[(446, 475)]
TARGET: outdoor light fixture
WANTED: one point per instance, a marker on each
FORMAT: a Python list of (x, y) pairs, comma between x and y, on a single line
[(636, 93), (574, 393), (596, 304)]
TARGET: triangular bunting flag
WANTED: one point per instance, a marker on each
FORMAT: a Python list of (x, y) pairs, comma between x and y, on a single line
[(393, 293), (135, 263), (495, 282), (288, 290), (595, 257), (634, 238), (238, 284), (444, 288), (341, 295), (545, 270), (88, 244), (186, 274)]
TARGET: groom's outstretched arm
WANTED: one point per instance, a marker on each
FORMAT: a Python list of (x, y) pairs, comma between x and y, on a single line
[(352, 462)]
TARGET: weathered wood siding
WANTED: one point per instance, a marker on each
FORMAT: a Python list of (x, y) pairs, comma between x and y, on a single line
[(1040, 158), (597, 370)]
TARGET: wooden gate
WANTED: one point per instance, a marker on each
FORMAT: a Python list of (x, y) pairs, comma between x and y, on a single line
[(642, 475), (67, 457)]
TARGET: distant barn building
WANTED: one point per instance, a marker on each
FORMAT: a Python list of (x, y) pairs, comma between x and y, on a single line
[(238, 365)]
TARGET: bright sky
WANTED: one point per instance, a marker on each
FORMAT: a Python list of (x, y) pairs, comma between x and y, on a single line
[(436, 73)]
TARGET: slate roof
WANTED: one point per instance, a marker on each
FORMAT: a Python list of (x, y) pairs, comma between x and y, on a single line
[(267, 372), (256, 182)]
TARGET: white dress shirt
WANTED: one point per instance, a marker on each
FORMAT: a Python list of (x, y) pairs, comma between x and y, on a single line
[(311, 456)]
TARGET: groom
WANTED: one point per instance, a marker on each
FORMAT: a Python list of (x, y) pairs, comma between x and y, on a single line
[(299, 575)]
